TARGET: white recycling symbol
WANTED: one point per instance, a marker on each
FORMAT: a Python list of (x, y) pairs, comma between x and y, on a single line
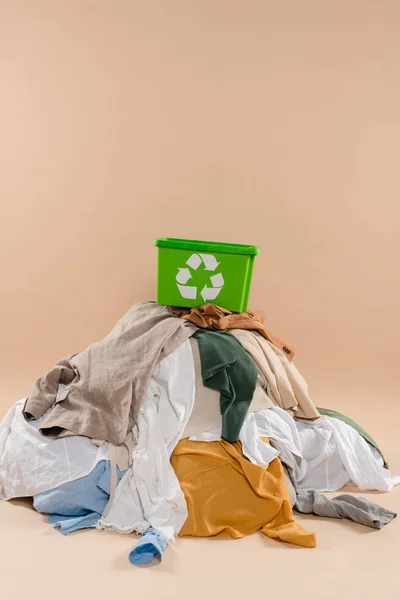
[(184, 275)]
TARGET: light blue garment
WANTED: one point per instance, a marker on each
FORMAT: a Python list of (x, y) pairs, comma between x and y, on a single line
[(80, 503), (150, 546)]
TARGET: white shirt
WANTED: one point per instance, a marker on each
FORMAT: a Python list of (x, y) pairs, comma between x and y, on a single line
[(330, 453), (149, 494)]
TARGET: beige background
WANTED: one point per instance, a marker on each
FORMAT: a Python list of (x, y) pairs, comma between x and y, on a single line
[(274, 123), (271, 123)]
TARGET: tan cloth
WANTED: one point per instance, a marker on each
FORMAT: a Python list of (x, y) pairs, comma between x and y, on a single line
[(122, 453), (206, 413), (227, 495), (210, 316), (284, 383), (106, 382)]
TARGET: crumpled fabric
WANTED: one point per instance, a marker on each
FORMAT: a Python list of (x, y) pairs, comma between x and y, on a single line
[(151, 546), (31, 463), (283, 382), (206, 413), (229, 496), (149, 494), (105, 383), (226, 366), (338, 455), (211, 316), (80, 503), (345, 506), (328, 453), (327, 412), (253, 447), (357, 509)]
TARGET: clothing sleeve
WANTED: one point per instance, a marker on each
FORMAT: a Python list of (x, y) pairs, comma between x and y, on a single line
[(44, 392)]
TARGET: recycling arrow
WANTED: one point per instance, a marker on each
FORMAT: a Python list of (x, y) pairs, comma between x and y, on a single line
[(194, 261), (190, 292), (217, 280), (183, 275), (210, 262), (209, 293)]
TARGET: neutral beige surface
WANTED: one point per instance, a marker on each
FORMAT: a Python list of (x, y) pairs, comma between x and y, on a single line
[(275, 123)]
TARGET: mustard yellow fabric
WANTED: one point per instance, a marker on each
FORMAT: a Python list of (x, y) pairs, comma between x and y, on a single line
[(229, 496)]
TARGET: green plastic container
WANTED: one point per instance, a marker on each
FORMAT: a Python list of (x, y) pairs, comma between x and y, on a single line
[(191, 272)]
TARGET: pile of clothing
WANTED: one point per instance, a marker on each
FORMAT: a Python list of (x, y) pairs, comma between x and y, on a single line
[(186, 422)]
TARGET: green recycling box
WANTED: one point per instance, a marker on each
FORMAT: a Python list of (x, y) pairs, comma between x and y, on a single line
[(191, 272)]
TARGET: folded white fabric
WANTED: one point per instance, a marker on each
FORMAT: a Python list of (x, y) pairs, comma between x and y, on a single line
[(31, 463), (337, 455), (149, 494), (330, 453)]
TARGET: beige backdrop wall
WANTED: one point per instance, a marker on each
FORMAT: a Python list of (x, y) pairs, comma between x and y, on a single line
[(270, 123)]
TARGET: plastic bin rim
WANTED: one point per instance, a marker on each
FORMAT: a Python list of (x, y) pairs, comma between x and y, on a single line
[(199, 246)]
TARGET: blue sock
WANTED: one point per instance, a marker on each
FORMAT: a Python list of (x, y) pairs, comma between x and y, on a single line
[(150, 546)]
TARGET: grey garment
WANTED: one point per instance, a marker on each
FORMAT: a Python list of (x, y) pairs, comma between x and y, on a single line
[(345, 506), (290, 461), (206, 413), (107, 381), (290, 486)]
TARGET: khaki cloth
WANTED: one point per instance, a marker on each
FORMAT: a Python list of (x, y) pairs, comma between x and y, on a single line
[(229, 496), (106, 382), (283, 382), (210, 316)]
